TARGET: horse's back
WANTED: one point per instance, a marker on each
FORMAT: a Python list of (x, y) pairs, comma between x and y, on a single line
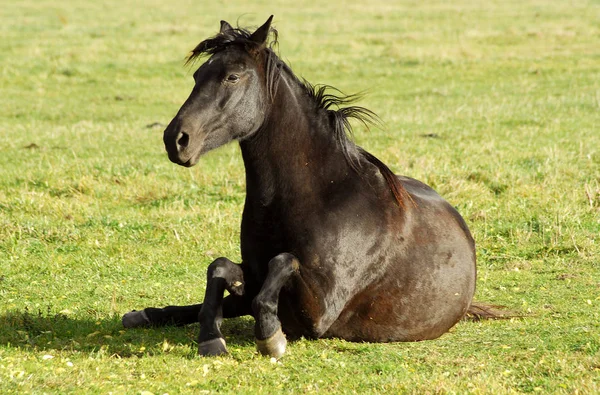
[(429, 285)]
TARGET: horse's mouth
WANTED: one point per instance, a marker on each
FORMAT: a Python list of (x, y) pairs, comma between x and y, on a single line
[(183, 160), (185, 163), (189, 163)]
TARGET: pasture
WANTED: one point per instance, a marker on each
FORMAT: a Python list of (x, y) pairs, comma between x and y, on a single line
[(494, 104)]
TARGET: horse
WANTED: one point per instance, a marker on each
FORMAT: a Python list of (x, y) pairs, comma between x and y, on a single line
[(333, 243)]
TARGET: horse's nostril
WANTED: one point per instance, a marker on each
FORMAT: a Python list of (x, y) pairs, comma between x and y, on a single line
[(183, 140)]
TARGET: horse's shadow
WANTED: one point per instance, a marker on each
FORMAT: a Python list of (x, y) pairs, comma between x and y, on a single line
[(47, 331)]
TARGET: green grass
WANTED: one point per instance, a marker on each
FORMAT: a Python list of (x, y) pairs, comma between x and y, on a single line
[(95, 221)]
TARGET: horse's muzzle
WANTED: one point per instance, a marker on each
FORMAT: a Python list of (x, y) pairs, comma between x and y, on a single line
[(177, 145)]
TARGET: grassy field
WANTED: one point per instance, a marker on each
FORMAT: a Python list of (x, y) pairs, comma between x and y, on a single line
[(495, 104)]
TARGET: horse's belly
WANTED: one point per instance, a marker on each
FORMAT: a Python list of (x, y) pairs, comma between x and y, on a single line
[(418, 303)]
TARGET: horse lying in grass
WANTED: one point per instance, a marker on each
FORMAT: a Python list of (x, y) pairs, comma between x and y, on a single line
[(333, 243)]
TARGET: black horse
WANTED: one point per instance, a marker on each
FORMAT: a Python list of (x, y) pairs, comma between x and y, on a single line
[(333, 243)]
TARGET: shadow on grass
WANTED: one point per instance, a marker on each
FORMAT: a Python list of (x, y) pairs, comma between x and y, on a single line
[(46, 331)]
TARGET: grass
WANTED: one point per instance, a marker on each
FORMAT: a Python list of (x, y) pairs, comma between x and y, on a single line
[(495, 104)]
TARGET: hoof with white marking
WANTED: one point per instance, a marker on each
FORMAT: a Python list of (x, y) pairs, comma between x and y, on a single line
[(274, 346)]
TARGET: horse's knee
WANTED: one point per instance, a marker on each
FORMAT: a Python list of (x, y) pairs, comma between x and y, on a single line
[(230, 272), (218, 268), (284, 264)]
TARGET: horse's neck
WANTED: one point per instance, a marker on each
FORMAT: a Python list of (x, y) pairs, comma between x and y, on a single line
[(295, 153)]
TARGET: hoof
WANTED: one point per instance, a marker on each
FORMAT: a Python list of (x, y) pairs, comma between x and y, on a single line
[(274, 346), (212, 347), (136, 319)]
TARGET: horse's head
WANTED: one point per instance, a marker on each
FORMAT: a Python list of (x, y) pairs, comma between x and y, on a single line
[(229, 97)]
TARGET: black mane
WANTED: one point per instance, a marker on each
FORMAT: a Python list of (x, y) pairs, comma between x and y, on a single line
[(221, 41), (335, 104)]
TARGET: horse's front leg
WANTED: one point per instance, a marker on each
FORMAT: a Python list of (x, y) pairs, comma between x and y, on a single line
[(157, 317), (233, 306), (222, 275), (270, 339)]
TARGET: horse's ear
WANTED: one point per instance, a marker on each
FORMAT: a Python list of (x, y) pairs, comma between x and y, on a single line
[(261, 34), (225, 27)]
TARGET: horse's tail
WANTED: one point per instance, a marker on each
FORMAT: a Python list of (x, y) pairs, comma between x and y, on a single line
[(485, 311)]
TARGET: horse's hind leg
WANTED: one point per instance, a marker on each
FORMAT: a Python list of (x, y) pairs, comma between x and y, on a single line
[(270, 340), (222, 275)]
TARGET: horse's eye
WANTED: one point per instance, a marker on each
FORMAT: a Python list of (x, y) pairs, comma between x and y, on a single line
[(232, 78)]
